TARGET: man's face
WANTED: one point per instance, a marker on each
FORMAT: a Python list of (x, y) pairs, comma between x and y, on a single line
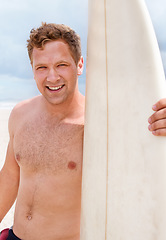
[(55, 72)]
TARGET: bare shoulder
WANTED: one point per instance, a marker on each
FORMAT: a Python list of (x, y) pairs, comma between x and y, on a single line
[(21, 112), (22, 107)]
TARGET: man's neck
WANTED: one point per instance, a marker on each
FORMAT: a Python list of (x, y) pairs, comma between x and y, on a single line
[(71, 109)]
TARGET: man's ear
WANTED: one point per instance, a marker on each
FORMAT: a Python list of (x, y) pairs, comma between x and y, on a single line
[(80, 66)]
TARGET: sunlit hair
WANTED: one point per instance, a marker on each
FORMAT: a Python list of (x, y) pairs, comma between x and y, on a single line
[(52, 32)]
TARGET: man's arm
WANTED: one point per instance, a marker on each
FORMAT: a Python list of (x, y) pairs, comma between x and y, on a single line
[(9, 177), (157, 122)]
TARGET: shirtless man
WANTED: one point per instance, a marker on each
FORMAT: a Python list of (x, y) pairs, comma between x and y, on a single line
[(44, 157)]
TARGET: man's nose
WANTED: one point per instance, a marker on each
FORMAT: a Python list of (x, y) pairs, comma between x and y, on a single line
[(53, 75)]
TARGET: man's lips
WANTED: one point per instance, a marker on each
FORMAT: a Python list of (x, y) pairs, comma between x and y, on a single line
[(52, 88)]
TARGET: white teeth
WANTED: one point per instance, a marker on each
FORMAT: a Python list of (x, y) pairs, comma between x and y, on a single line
[(55, 88)]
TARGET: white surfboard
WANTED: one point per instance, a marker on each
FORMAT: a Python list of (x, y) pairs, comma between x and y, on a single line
[(124, 165)]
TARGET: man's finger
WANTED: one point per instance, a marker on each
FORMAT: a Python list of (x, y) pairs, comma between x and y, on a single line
[(160, 104), (161, 114), (157, 125), (159, 132)]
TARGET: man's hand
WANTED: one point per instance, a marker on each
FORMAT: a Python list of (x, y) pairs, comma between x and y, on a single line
[(158, 120)]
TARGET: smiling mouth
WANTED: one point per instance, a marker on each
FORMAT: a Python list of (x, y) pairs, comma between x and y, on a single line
[(55, 88)]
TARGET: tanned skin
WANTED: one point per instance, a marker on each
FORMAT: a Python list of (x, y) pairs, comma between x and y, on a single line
[(43, 165)]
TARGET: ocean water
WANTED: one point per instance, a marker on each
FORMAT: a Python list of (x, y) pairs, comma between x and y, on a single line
[(14, 90)]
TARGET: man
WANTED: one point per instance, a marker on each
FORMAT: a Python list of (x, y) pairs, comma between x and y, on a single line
[(44, 156), (43, 166)]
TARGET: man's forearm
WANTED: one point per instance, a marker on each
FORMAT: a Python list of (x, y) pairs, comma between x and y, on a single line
[(8, 192)]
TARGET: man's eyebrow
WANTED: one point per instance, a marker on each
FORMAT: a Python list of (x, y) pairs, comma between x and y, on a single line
[(61, 61), (39, 64)]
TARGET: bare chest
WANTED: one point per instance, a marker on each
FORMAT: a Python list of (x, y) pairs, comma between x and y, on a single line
[(49, 147)]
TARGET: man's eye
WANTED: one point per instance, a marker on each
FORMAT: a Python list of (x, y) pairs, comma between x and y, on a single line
[(62, 65), (41, 67)]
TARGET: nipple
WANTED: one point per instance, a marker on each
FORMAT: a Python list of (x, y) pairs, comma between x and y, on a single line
[(18, 157), (72, 165)]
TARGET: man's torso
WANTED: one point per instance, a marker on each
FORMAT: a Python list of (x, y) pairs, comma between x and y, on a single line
[(49, 154)]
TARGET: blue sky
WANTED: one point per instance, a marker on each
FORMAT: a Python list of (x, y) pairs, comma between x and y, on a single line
[(18, 17)]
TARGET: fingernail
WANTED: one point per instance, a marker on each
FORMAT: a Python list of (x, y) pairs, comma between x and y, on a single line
[(154, 132), (154, 107), (150, 120), (149, 127)]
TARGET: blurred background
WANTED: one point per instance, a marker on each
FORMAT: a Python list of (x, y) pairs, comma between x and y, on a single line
[(18, 17)]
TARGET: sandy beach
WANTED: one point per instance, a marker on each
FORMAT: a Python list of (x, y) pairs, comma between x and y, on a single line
[(4, 137)]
